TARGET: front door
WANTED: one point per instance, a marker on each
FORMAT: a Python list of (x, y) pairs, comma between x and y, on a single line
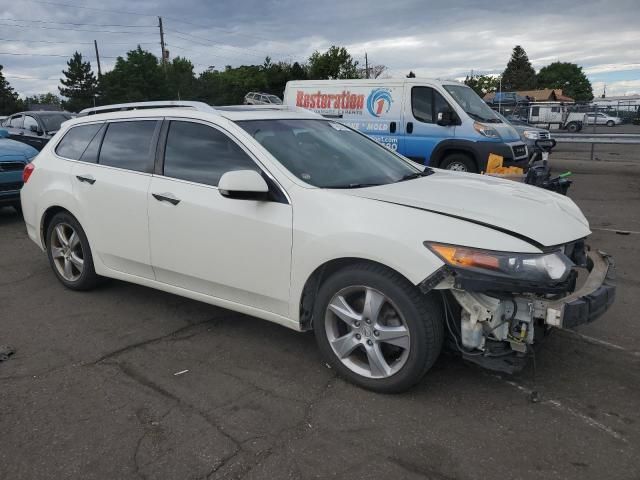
[(232, 249), (422, 133)]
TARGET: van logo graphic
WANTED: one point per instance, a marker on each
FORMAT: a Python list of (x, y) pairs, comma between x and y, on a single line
[(379, 101)]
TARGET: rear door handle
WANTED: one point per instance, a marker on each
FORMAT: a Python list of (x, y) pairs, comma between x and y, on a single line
[(86, 178), (166, 197)]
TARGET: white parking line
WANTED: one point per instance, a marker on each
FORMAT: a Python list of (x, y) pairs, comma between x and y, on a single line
[(563, 408), (616, 230), (604, 343)]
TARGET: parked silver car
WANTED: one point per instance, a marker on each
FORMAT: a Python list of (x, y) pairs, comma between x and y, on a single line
[(601, 119), (253, 98)]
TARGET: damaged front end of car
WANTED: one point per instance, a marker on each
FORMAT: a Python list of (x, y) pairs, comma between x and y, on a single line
[(498, 305)]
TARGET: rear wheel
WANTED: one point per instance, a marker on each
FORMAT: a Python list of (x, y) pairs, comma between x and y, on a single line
[(69, 253), (611, 123), (573, 127), (376, 329), (459, 162)]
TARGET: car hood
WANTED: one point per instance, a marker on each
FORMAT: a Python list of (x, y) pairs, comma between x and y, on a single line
[(540, 216), (505, 130)]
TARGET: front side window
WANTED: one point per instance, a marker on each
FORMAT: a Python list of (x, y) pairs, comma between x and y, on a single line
[(16, 122), (31, 124), (76, 141), (129, 145), (202, 154), (422, 104), (327, 154)]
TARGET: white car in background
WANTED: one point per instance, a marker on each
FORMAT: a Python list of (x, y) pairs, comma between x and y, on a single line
[(601, 119), (300, 220), (253, 98)]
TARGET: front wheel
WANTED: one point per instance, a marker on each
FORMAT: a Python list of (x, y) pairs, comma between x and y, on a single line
[(573, 127), (69, 253), (459, 162), (611, 123), (376, 329)]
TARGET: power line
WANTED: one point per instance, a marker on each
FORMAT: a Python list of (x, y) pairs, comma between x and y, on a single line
[(73, 29), (70, 43), (40, 55), (78, 24)]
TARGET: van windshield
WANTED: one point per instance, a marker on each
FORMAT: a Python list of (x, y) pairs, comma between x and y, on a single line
[(472, 104), (328, 154)]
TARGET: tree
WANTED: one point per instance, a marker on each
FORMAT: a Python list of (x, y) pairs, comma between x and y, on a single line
[(79, 84), (335, 63), (181, 80), (519, 74), (137, 78), (9, 101), (566, 76), (482, 84), (42, 99)]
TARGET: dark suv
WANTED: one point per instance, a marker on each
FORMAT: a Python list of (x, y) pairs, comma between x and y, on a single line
[(35, 128)]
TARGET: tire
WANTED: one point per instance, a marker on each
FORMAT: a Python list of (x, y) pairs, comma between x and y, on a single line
[(611, 123), (459, 162), (392, 352), (70, 256), (573, 127)]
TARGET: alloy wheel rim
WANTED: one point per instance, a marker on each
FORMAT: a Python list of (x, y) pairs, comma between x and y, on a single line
[(66, 250), (367, 332), (457, 166)]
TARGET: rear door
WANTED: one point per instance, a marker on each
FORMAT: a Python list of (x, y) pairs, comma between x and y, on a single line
[(112, 193), (232, 249), (422, 133)]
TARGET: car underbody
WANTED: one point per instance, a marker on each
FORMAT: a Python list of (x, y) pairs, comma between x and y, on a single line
[(497, 328)]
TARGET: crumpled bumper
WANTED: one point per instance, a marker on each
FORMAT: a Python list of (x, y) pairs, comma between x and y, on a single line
[(591, 300)]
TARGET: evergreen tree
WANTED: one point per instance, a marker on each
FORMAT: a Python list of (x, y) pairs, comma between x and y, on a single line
[(566, 76), (79, 84), (9, 101), (519, 74)]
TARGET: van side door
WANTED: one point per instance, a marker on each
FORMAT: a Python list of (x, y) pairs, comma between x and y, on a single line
[(421, 132)]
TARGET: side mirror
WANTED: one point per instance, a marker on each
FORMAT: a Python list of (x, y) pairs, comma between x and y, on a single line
[(445, 118), (243, 185), (35, 129), (4, 133)]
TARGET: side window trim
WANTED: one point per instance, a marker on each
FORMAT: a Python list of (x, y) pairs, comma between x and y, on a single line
[(162, 144)]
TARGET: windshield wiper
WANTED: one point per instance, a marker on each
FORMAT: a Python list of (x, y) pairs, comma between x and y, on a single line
[(425, 173), (353, 185)]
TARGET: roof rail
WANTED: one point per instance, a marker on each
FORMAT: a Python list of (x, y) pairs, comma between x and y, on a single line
[(118, 107)]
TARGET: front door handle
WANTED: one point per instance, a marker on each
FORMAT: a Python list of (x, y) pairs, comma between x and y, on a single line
[(166, 197), (86, 178), (409, 127)]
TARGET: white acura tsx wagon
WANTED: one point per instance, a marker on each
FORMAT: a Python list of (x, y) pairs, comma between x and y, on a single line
[(282, 214)]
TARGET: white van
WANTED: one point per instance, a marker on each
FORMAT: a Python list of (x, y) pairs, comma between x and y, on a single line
[(432, 122)]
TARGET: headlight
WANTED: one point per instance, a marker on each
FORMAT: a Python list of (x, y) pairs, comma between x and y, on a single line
[(531, 134), (530, 267), (485, 130)]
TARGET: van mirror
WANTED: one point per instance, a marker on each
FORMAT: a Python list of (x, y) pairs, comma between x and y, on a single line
[(243, 185), (445, 118)]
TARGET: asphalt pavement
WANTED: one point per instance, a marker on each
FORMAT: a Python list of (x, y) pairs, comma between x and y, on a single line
[(128, 382)]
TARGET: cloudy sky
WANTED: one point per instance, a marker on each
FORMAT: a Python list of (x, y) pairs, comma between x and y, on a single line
[(445, 39)]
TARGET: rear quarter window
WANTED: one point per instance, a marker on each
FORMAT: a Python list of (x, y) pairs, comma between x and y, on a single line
[(76, 140)]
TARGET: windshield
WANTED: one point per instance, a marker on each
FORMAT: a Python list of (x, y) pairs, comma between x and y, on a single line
[(327, 154), (472, 104), (52, 122), (274, 99)]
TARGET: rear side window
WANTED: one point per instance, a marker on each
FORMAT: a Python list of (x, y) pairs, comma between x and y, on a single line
[(76, 141), (129, 145), (199, 153), (16, 122)]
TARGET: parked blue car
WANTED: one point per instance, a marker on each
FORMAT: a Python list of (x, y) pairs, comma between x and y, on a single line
[(13, 158)]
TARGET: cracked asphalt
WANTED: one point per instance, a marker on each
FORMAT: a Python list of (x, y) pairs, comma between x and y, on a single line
[(93, 390)]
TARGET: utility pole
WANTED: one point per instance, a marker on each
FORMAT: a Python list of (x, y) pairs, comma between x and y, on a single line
[(95, 44), (366, 64), (164, 54)]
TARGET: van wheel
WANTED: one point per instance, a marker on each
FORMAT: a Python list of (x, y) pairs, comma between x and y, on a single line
[(376, 329), (459, 162), (611, 123), (69, 253), (573, 127)]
